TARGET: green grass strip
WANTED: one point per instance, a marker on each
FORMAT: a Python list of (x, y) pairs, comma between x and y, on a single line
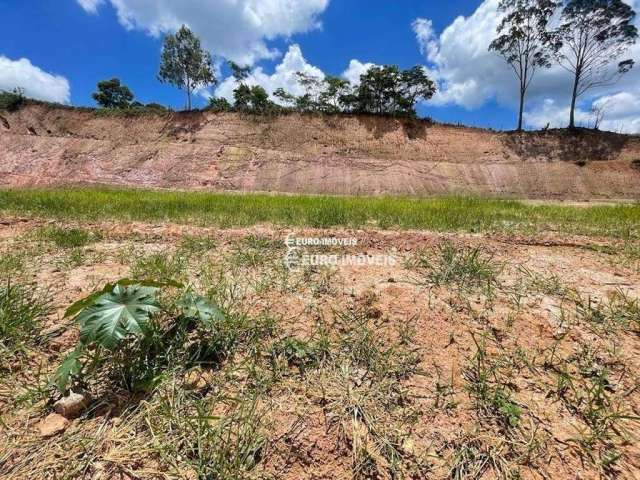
[(452, 213)]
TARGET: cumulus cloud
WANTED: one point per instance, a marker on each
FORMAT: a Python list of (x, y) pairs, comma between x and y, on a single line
[(235, 29), (36, 82), (355, 69), (619, 112), (284, 75), (469, 75)]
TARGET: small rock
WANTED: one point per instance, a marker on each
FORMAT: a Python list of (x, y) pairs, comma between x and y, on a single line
[(197, 379), (391, 280), (73, 404), (52, 424)]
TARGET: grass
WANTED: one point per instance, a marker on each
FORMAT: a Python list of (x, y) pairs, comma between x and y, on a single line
[(22, 310), (226, 210), (67, 237), (466, 267)]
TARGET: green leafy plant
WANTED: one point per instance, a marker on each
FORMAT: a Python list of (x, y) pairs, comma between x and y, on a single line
[(124, 310), (120, 327), (302, 354), (197, 307)]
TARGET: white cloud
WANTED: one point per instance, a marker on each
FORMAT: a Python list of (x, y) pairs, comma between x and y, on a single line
[(355, 69), (620, 113), (425, 34), (36, 82), (284, 75), (90, 6), (235, 29), (469, 75)]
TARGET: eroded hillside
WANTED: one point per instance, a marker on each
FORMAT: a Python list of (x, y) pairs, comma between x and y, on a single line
[(42, 145)]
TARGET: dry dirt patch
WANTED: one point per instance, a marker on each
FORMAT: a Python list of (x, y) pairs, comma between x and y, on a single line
[(473, 356)]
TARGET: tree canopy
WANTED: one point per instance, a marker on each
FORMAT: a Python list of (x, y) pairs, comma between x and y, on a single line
[(594, 34), (113, 94), (524, 41), (185, 64)]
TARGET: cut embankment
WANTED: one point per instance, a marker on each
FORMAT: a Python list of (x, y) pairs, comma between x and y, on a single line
[(469, 214), (311, 154)]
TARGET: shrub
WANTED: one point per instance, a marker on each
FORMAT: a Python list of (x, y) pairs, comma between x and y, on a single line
[(113, 94), (12, 101), (219, 104)]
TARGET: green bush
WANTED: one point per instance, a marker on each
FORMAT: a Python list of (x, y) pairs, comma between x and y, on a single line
[(12, 101)]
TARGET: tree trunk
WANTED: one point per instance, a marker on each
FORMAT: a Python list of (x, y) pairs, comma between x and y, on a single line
[(521, 111), (188, 94), (574, 95)]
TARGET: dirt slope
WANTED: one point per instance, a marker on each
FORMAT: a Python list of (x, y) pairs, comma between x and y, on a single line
[(42, 145)]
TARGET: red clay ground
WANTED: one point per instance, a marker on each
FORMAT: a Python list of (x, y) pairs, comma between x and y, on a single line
[(540, 323)]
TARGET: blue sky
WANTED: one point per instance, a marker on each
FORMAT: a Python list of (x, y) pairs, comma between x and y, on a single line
[(84, 41)]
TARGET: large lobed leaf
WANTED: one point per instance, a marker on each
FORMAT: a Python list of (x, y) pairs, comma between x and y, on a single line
[(199, 308), (87, 301), (113, 315)]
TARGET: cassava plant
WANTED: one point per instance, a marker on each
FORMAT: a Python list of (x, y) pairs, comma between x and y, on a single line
[(120, 326)]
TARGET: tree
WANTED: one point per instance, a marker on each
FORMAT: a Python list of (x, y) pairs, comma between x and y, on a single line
[(312, 84), (415, 85), (113, 94), (238, 72), (286, 98), (332, 96), (389, 90), (594, 34), (219, 104), (185, 64), (254, 99), (524, 40)]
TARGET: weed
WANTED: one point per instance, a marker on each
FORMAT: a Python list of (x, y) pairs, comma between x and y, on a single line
[(490, 393), (587, 391), (253, 251), (193, 247), (360, 389), (67, 237), (619, 311), (217, 438), (302, 354), (22, 312), (11, 264), (465, 267), (549, 284), (159, 265)]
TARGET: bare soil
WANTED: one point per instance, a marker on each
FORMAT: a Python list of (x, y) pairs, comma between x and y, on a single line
[(532, 326), (341, 154)]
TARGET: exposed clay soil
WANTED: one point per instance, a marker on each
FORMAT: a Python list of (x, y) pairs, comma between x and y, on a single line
[(45, 146), (304, 439)]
